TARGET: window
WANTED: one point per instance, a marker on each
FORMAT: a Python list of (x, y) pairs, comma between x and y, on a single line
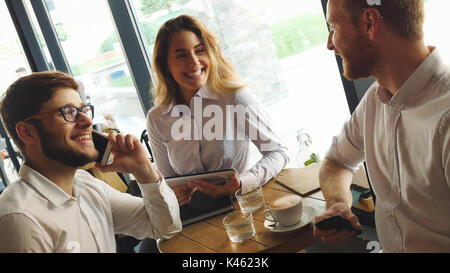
[(95, 57), (435, 12), (279, 49), (13, 65), (40, 36), (13, 61)]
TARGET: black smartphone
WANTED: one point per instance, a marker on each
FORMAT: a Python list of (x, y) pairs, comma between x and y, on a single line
[(337, 222), (103, 147)]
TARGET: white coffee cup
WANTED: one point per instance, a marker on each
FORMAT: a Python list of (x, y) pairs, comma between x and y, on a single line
[(286, 210)]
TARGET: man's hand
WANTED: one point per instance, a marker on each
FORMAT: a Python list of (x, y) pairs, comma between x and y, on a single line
[(332, 236), (129, 156), (229, 188)]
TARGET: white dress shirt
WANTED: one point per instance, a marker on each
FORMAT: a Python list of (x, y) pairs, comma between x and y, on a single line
[(405, 141), (229, 149), (38, 216)]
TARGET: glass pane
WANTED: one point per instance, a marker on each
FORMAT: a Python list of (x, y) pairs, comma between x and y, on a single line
[(92, 48), (281, 53), (435, 13), (13, 64), (39, 34), (13, 61)]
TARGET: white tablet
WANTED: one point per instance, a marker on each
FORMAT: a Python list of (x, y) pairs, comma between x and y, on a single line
[(215, 177)]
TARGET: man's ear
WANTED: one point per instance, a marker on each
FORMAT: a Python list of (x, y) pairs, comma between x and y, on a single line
[(372, 21), (27, 133)]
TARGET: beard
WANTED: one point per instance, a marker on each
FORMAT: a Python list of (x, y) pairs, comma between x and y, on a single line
[(60, 151), (360, 60)]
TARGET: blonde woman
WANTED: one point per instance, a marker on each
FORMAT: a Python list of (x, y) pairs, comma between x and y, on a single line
[(195, 88)]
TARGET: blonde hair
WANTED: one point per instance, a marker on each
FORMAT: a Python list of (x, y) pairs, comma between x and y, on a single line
[(404, 17), (222, 78)]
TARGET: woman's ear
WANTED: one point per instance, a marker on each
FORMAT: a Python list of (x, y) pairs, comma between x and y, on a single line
[(27, 133)]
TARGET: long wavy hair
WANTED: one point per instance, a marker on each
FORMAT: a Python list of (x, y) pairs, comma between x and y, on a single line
[(222, 78)]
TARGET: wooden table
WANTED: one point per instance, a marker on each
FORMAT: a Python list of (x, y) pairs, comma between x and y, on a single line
[(209, 236)]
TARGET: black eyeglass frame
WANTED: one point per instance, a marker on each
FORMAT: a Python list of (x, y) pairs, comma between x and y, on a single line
[(62, 109)]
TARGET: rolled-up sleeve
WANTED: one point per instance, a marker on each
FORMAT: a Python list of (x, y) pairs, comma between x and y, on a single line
[(347, 148)]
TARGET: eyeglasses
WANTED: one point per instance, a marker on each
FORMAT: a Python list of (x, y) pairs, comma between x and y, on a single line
[(70, 113)]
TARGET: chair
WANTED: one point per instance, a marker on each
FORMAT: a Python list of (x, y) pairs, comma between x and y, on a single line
[(3, 175), (111, 178), (148, 245), (145, 140)]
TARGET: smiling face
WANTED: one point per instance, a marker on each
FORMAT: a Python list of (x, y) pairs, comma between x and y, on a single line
[(348, 41), (67, 142), (188, 61)]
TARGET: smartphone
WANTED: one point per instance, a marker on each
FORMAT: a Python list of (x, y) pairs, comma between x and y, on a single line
[(337, 222), (103, 147)]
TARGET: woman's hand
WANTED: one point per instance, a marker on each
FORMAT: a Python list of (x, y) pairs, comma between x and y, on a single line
[(184, 193), (229, 188)]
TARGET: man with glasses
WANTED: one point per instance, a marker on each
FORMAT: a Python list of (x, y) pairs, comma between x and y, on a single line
[(401, 127), (55, 207)]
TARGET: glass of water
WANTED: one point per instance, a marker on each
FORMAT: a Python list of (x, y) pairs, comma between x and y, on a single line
[(250, 201), (239, 226)]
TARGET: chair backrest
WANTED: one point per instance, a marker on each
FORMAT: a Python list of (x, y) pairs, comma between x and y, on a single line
[(111, 178), (145, 140), (3, 175)]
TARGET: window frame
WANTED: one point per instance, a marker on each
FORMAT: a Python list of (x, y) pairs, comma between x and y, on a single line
[(134, 48), (50, 36)]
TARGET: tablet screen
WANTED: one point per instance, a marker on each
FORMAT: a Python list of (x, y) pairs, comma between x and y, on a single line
[(215, 177)]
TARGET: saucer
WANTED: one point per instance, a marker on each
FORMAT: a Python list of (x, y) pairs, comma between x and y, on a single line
[(307, 216)]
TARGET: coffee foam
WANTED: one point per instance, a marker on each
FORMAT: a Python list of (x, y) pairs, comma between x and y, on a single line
[(286, 202)]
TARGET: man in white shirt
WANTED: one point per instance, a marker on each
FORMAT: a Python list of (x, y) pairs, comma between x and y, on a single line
[(401, 127), (54, 206)]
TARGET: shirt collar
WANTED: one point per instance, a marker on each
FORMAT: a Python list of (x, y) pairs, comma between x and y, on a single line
[(207, 93), (416, 83), (47, 188), (204, 92)]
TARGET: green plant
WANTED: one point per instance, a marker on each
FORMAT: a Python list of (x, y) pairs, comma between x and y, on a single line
[(108, 44), (312, 159), (150, 6), (299, 33), (62, 34)]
